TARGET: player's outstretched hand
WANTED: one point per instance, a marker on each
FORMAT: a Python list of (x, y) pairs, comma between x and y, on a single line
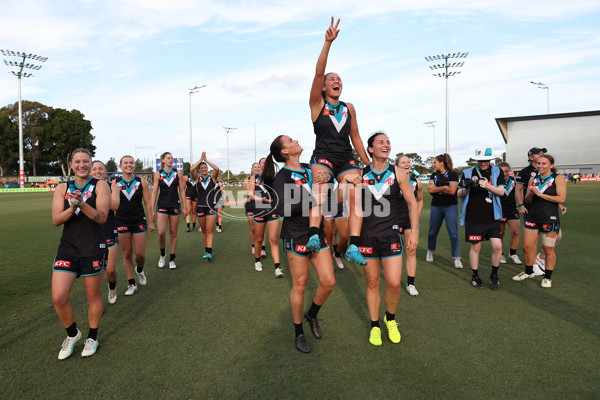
[(332, 31)]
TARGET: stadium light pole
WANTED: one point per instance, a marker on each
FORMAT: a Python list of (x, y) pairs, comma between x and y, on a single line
[(227, 130), (432, 125), (193, 90), (543, 86), (446, 73), (20, 65)]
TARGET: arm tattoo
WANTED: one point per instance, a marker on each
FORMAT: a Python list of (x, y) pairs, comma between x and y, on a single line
[(98, 215)]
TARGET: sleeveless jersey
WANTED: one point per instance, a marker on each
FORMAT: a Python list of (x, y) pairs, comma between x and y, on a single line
[(168, 185), (249, 206), (332, 128), (81, 236), (508, 199), (110, 226), (293, 189), (404, 214), (131, 208), (382, 202), (206, 191), (190, 187), (541, 210)]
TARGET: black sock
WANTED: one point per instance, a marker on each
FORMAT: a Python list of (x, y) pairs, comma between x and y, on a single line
[(209, 250), (495, 270), (529, 269), (313, 310), (206, 249), (390, 317), (313, 230), (354, 240), (162, 252), (139, 269), (299, 330), (474, 273), (188, 225), (548, 274), (256, 259), (112, 285), (410, 280), (131, 281), (93, 333), (277, 265), (172, 257), (72, 330), (194, 225), (337, 254), (334, 246), (263, 248), (513, 252), (375, 324)]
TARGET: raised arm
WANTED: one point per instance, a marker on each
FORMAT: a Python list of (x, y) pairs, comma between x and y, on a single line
[(316, 99)]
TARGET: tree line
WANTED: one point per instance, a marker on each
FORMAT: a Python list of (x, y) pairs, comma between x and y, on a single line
[(49, 136)]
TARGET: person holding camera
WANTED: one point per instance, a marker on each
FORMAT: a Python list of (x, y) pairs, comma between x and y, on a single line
[(481, 188)]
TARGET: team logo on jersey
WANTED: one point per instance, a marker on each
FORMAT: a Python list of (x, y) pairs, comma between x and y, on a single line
[(128, 189), (62, 264), (97, 264), (304, 181), (352, 162), (475, 238), (380, 186), (395, 246), (204, 182), (338, 117), (168, 177)]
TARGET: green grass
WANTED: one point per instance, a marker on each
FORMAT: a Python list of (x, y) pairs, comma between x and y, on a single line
[(222, 330)]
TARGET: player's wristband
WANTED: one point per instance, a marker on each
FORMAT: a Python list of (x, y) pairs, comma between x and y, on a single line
[(521, 205)]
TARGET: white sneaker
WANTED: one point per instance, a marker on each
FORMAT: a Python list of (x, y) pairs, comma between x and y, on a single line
[(263, 254), (258, 266), (112, 296), (68, 345), (546, 283), (278, 272), (338, 262), (89, 347), (540, 261), (161, 261), (141, 276), (515, 258), (429, 257), (522, 276), (537, 271), (172, 265), (412, 290), (502, 259), (218, 229), (252, 252), (458, 263), (131, 289)]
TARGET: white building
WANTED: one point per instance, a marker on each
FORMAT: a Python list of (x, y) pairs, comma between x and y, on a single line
[(573, 139)]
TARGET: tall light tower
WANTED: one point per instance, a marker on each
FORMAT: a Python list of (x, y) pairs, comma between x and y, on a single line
[(20, 74), (543, 86), (446, 73), (227, 130), (193, 90), (431, 124)]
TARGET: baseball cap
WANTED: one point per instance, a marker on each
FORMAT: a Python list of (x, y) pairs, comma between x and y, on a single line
[(536, 150), (483, 154)]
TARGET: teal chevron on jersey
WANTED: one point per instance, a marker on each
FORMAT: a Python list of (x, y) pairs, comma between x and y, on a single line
[(379, 182)]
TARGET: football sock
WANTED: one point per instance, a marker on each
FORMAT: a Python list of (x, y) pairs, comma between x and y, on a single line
[(354, 240), (263, 248), (513, 252), (139, 269), (389, 316), (209, 250), (277, 265), (495, 270), (299, 330), (313, 230), (112, 285), (172, 257), (410, 280), (375, 324), (256, 259), (93, 333), (188, 225), (131, 281), (313, 310), (72, 330), (474, 273), (548, 274), (162, 252), (529, 269)]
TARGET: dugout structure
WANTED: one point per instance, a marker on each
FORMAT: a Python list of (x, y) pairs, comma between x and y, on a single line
[(572, 138)]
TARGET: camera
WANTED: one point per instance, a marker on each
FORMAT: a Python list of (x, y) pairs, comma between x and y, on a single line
[(469, 183)]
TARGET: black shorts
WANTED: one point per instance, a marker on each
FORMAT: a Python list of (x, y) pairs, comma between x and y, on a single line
[(336, 167), (381, 247), (475, 233), (112, 241), (205, 211), (510, 216), (263, 219), (133, 228), (298, 245), (81, 266), (335, 212), (170, 211), (192, 196), (540, 226)]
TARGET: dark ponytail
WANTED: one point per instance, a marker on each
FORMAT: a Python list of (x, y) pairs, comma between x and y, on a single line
[(269, 170), (446, 160)]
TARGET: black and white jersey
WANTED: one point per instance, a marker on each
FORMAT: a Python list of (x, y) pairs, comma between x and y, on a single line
[(131, 207), (332, 128), (540, 210), (382, 202), (168, 186)]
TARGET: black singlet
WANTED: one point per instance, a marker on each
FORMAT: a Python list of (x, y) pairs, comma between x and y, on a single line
[(207, 191), (168, 185), (131, 208), (332, 128), (382, 202), (540, 210)]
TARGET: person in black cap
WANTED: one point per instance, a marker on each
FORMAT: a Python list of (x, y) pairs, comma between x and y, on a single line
[(525, 174)]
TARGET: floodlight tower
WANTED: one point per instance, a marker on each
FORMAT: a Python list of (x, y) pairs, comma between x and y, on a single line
[(193, 90), (432, 125), (227, 130), (20, 64), (543, 86), (445, 73)]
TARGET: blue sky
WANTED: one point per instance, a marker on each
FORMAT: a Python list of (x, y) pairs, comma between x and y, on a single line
[(128, 65)]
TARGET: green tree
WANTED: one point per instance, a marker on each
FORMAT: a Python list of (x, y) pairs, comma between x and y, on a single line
[(471, 162), (414, 158), (65, 132), (35, 117), (111, 165), (139, 165), (9, 144)]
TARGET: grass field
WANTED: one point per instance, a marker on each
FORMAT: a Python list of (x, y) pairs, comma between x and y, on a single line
[(222, 330)]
